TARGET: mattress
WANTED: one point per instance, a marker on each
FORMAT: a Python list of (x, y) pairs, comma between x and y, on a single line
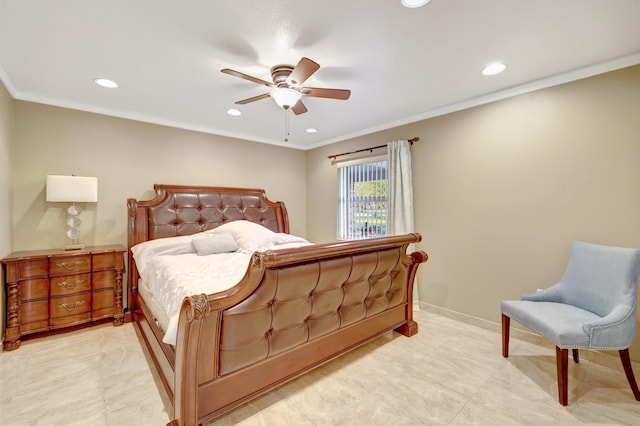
[(159, 315)]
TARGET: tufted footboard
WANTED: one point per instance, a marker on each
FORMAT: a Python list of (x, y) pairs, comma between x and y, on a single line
[(295, 310)]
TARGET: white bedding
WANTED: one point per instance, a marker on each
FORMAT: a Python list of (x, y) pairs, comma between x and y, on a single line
[(172, 269)]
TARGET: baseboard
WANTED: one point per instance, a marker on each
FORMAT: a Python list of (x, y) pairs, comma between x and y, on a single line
[(515, 332)]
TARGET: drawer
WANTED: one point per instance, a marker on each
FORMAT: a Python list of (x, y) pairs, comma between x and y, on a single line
[(102, 304), (34, 327), (102, 314), (64, 265), (70, 305), (37, 288), (70, 284), (102, 299), (34, 311), (33, 268), (70, 320), (103, 261), (103, 279)]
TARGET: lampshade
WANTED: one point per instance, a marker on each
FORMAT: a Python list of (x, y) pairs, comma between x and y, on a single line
[(72, 189), (284, 97)]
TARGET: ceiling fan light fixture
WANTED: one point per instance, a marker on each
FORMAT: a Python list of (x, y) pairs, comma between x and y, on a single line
[(414, 3), (285, 97)]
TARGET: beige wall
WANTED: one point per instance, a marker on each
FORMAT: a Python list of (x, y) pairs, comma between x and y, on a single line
[(6, 136), (128, 157), (502, 189)]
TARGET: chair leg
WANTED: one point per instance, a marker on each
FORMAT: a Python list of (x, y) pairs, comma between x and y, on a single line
[(505, 335), (628, 370), (576, 356), (562, 361)]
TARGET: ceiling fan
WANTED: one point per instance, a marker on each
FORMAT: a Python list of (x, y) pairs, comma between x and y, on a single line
[(286, 90)]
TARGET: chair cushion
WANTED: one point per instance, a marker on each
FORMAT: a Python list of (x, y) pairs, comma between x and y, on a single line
[(559, 323)]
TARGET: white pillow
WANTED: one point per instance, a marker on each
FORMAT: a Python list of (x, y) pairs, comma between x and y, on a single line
[(288, 238), (146, 250), (250, 236), (220, 242)]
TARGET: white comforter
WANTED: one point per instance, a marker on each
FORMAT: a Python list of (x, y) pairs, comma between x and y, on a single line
[(173, 269)]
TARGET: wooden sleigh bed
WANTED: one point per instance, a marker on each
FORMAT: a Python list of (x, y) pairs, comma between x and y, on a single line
[(295, 308)]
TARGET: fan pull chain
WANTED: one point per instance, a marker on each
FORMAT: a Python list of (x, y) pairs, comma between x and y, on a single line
[(286, 125)]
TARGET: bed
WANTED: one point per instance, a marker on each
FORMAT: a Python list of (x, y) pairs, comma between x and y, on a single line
[(294, 308)]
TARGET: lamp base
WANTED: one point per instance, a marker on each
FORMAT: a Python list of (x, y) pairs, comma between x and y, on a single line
[(72, 247)]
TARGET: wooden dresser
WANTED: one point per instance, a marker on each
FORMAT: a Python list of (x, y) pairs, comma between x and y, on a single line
[(48, 290)]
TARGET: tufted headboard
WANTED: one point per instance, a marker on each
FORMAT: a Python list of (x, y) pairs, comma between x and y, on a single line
[(183, 210)]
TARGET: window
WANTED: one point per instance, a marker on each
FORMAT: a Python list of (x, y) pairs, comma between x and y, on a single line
[(362, 199)]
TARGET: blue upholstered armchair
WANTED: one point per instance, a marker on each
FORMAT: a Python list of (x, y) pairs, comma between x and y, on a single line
[(592, 307)]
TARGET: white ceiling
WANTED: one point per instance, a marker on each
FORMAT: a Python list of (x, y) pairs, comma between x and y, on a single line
[(401, 65)]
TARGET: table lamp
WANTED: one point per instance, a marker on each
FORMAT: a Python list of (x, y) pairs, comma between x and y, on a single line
[(72, 189)]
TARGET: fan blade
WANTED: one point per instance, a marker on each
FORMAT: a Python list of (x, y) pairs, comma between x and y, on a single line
[(326, 93), (253, 99), (246, 77), (299, 108), (305, 68)]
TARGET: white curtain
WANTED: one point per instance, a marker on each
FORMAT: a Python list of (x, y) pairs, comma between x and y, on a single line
[(400, 192)]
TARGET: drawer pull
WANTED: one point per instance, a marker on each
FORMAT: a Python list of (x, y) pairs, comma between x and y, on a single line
[(70, 307), (70, 286), (70, 266)]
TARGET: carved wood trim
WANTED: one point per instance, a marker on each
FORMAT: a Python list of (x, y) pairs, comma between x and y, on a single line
[(12, 332), (192, 313)]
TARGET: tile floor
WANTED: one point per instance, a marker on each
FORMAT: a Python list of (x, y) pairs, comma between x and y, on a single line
[(450, 373)]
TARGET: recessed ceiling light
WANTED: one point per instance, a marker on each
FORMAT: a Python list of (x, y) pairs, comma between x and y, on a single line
[(104, 82), (494, 68), (233, 111), (414, 3), (311, 130)]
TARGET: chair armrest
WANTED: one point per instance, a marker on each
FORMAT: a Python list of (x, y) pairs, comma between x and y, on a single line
[(613, 331), (554, 293)]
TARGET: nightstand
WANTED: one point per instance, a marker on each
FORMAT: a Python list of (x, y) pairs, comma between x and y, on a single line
[(48, 290)]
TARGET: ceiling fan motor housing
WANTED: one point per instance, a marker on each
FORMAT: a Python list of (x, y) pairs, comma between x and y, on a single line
[(280, 73)]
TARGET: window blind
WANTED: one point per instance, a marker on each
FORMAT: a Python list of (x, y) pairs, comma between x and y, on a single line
[(362, 199)]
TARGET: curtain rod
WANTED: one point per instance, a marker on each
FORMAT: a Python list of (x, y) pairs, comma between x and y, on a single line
[(334, 156)]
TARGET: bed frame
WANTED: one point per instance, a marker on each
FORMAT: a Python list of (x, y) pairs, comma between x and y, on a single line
[(294, 310)]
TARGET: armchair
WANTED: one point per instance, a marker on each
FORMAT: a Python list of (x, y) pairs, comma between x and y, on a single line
[(592, 307)]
